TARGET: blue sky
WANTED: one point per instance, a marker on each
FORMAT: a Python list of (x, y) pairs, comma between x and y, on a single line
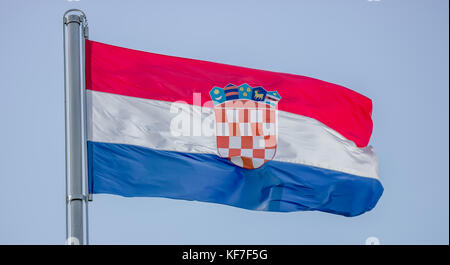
[(395, 52)]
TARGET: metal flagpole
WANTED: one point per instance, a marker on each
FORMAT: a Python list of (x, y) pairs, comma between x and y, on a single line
[(75, 32)]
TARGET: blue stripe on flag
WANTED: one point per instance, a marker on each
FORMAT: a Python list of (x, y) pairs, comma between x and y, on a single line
[(231, 97), (132, 171)]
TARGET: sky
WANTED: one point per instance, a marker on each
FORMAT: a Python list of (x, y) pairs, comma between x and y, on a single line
[(396, 52)]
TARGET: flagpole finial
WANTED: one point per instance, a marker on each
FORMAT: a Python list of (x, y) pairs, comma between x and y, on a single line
[(79, 18), (74, 10)]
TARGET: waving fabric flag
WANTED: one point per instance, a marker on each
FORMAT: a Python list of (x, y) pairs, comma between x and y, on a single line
[(164, 126)]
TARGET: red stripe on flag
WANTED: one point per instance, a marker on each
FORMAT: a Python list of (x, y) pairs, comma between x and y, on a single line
[(141, 74)]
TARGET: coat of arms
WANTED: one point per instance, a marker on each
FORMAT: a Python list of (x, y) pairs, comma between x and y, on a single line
[(246, 124)]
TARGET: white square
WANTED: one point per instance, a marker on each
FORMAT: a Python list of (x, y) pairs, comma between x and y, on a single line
[(223, 152), (223, 129), (237, 160), (257, 162), (245, 129), (269, 153), (247, 152), (268, 128), (235, 142), (253, 115), (256, 115), (242, 115), (232, 115), (260, 115), (258, 142)]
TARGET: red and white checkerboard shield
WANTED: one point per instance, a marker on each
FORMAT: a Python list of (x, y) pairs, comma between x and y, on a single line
[(246, 132)]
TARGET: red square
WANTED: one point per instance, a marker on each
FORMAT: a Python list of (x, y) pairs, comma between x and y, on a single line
[(270, 141), (246, 142), (243, 115), (268, 115), (223, 141), (234, 152), (234, 129), (247, 162), (257, 129), (220, 115), (259, 153)]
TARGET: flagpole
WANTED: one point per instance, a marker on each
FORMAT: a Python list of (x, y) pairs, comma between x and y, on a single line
[(75, 31)]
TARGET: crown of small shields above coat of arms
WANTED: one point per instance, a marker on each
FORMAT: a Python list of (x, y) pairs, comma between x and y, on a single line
[(245, 124)]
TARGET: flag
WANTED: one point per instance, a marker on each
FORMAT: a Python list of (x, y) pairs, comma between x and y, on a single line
[(165, 126)]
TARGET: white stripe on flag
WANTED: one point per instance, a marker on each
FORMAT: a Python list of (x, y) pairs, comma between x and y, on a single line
[(144, 122)]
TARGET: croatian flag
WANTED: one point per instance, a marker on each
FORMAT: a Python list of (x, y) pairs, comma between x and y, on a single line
[(164, 126)]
